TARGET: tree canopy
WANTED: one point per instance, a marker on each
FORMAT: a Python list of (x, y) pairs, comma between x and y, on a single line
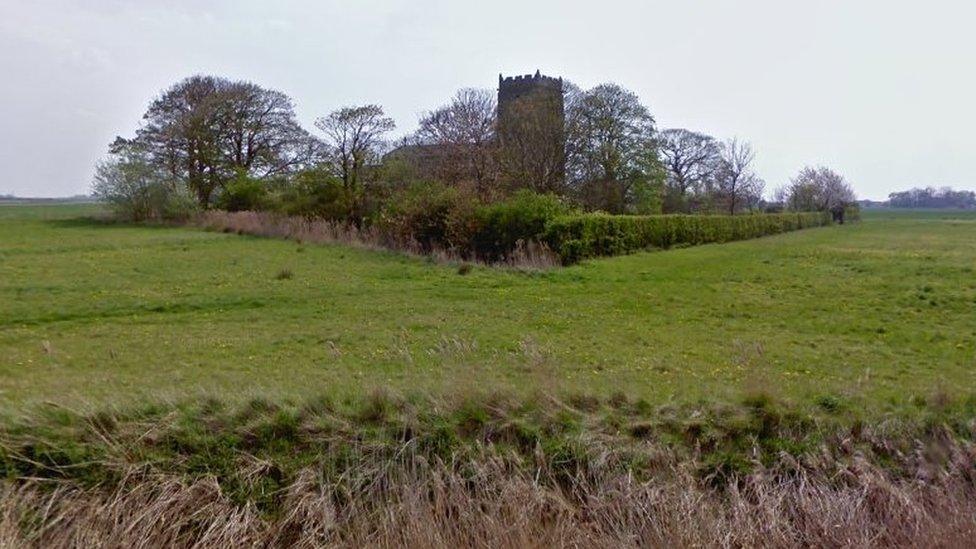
[(205, 130)]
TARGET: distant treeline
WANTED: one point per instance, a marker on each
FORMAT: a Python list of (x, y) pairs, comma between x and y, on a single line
[(9, 198), (930, 197)]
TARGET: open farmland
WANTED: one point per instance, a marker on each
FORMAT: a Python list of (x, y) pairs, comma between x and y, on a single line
[(171, 386), (874, 314), (408, 274)]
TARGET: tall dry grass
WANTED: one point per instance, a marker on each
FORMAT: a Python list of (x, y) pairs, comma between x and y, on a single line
[(527, 255), (418, 503), (922, 494)]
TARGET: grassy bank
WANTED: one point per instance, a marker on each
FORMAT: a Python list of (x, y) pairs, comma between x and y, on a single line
[(490, 469)]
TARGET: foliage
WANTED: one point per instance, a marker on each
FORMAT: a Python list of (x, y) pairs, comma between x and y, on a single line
[(433, 215), (647, 191), (239, 146), (437, 216), (463, 135), (353, 135), (317, 193), (581, 236), (353, 140), (205, 130), (523, 217), (135, 190), (610, 145), (736, 184), (244, 193)]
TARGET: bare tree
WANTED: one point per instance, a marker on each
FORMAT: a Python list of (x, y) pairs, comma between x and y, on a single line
[(610, 145), (736, 181), (463, 133), (818, 189), (691, 160), (353, 137)]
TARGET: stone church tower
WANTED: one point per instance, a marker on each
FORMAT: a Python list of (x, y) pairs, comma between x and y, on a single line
[(531, 129)]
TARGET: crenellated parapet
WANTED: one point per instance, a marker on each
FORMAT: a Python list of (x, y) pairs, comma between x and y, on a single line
[(530, 81)]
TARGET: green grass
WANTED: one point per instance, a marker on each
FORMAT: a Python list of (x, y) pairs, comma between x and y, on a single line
[(876, 315)]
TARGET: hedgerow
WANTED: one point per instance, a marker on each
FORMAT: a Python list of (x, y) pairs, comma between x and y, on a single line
[(581, 236), (523, 217)]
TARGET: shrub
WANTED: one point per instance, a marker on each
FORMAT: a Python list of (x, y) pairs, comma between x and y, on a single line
[(179, 204), (244, 193), (137, 191), (523, 217), (316, 193), (430, 214), (580, 236)]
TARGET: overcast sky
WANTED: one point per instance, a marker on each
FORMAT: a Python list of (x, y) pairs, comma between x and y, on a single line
[(884, 91)]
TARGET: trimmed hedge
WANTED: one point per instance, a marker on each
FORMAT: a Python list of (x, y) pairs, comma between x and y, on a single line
[(582, 236)]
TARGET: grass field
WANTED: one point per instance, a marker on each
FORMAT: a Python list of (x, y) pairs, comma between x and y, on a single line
[(165, 386), (874, 314)]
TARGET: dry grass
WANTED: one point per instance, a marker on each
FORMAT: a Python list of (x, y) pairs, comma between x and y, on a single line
[(413, 502), (531, 255), (612, 491)]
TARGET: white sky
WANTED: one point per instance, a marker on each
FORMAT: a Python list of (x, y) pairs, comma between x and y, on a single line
[(884, 91)]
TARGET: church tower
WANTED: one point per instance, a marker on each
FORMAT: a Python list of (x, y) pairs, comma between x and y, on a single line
[(531, 128)]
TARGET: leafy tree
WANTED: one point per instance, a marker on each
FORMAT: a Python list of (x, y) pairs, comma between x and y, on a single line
[(244, 193), (610, 146), (262, 137), (317, 193), (204, 130)]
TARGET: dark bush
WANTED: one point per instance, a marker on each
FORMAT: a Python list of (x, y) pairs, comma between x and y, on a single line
[(316, 193), (244, 193), (581, 236), (523, 217), (431, 214)]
